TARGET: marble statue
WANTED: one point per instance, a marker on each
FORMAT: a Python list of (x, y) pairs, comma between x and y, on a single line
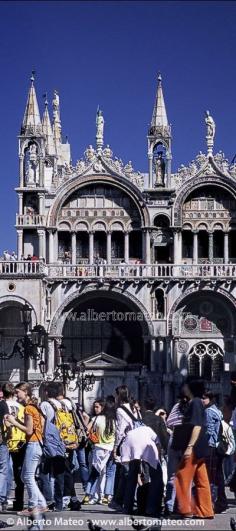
[(100, 128), (159, 165), (211, 126)]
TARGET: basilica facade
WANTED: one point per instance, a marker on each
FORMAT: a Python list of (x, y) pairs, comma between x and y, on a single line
[(132, 273)]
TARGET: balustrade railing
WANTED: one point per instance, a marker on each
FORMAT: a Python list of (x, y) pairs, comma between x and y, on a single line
[(30, 219), (135, 271)]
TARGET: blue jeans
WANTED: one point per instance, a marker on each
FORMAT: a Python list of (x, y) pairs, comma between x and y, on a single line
[(4, 468), (83, 467), (173, 460), (110, 477), (32, 459)]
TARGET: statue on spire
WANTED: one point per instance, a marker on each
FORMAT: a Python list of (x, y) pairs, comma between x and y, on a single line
[(100, 128), (211, 130)]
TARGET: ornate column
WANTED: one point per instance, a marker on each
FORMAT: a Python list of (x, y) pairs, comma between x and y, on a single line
[(91, 247), (127, 247), (153, 354), (19, 243), (41, 235), (195, 247), (109, 247), (73, 248), (226, 247), (210, 247), (55, 246), (50, 357), (20, 204), (41, 171), (51, 247), (21, 171)]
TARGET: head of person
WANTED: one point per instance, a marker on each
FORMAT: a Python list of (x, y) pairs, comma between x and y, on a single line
[(149, 404), (23, 392), (8, 390), (161, 412), (193, 388), (208, 399), (122, 395), (98, 406), (54, 390)]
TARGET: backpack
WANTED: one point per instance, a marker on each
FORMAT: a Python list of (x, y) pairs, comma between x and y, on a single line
[(137, 421), (65, 424), (52, 445), (223, 441), (15, 437)]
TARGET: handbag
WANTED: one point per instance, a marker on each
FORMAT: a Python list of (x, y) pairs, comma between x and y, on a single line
[(93, 436)]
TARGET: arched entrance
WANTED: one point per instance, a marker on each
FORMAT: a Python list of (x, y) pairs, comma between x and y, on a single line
[(104, 324)]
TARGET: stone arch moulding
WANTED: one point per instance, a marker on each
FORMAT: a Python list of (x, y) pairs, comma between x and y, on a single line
[(164, 214), (16, 301), (79, 182), (191, 291), (31, 140), (58, 320), (192, 184)]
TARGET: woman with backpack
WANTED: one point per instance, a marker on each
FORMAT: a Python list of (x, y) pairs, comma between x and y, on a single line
[(33, 428), (102, 434)]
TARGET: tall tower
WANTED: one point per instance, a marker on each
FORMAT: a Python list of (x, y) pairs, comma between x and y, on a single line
[(159, 143)]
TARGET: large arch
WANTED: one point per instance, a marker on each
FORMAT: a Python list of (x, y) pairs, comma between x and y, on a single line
[(225, 297), (227, 185), (78, 182)]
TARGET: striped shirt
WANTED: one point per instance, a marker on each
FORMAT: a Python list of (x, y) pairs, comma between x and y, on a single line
[(175, 417)]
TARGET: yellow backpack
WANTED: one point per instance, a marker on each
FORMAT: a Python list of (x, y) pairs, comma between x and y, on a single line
[(65, 424), (16, 437)]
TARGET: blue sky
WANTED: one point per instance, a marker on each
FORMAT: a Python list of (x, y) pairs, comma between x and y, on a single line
[(109, 53)]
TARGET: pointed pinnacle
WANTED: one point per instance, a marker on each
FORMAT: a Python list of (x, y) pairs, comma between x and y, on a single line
[(32, 77)]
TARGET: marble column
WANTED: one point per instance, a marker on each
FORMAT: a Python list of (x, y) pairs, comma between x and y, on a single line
[(20, 204), (21, 171), (226, 247), (19, 243), (127, 247), (73, 248), (176, 247), (41, 235), (55, 247), (109, 247), (91, 247), (195, 247), (147, 247), (51, 357), (153, 354), (41, 172), (150, 158), (51, 247), (210, 247), (41, 203)]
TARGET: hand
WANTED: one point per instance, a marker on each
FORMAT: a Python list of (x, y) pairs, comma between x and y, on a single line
[(188, 452), (10, 419)]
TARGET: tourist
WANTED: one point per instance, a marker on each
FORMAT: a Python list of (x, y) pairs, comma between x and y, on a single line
[(4, 453), (33, 428), (192, 467)]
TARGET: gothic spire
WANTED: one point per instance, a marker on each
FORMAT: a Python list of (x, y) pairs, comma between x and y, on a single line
[(47, 129), (159, 116), (56, 118), (31, 117)]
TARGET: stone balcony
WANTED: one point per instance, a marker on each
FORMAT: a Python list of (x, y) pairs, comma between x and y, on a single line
[(30, 220), (118, 271)]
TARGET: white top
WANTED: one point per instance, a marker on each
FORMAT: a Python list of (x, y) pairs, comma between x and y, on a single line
[(123, 423), (13, 406), (140, 443)]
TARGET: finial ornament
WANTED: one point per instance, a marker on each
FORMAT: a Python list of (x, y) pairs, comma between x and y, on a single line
[(100, 128), (32, 76), (159, 78), (45, 96), (211, 129)]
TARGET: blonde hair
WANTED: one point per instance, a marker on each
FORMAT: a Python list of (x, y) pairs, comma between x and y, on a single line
[(27, 388)]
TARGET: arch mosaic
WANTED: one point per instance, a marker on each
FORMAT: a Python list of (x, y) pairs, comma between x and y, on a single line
[(195, 291)]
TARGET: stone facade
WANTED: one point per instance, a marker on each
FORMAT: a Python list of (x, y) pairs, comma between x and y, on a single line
[(134, 272)]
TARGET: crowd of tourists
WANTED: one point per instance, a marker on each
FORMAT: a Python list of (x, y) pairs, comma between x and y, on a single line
[(133, 457)]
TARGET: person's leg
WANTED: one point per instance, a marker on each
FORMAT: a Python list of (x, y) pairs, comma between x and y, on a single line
[(4, 467), (119, 491), (183, 484), (17, 462), (58, 473), (203, 501), (45, 480), (130, 486), (155, 491), (92, 481), (110, 477), (221, 502), (173, 460), (33, 455), (83, 467)]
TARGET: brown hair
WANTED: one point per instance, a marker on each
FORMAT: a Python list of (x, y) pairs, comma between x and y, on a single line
[(26, 387), (8, 390)]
